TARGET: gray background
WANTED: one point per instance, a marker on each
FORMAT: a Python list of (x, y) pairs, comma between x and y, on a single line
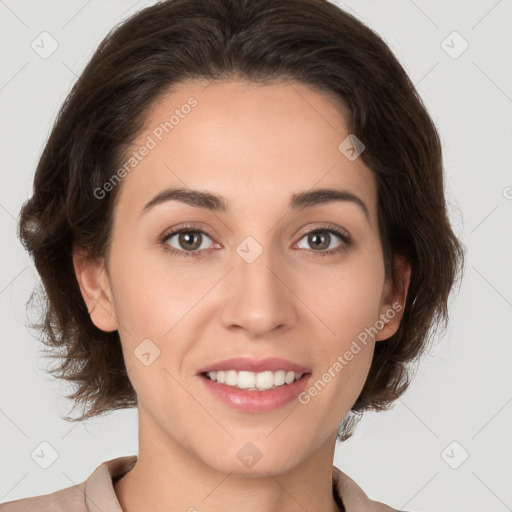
[(462, 392)]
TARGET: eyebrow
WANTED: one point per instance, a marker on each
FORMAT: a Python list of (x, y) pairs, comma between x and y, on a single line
[(299, 201)]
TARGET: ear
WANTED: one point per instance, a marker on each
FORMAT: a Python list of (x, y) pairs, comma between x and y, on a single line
[(393, 299), (95, 287)]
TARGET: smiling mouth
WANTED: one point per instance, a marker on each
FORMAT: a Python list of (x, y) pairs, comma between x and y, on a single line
[(252, 381)]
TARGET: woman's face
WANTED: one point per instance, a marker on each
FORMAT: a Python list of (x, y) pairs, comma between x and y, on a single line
[(247, 281)]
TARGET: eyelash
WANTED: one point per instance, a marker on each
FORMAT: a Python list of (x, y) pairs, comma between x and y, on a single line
[(346, 241)]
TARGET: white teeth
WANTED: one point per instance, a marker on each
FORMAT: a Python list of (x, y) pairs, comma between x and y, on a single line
[(254, 381)]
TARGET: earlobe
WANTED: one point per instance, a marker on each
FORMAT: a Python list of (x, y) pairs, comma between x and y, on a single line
[(393, 305), (96, 291)]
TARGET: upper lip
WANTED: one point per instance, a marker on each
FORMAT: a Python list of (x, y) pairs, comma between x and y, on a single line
[(254, 365)]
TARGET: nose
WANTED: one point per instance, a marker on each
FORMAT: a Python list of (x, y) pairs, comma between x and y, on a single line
[(258, 296)]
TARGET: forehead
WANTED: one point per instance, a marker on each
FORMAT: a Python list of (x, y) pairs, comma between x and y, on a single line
[(248, 142)]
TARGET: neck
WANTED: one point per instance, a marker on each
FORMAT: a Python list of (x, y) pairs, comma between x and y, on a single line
[(170, 476)]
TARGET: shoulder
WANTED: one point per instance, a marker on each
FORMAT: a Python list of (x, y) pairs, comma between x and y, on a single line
[(69, 499), (96, 491), (353, 497)]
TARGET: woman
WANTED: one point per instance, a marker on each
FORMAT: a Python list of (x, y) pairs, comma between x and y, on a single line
[(240, 223)]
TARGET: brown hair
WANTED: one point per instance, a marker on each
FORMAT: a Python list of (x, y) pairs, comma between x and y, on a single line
[(309, 41)]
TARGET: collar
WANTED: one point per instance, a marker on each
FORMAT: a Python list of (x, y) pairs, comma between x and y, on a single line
[(100, 494)]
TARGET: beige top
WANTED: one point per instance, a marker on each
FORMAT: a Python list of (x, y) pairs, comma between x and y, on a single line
[(97, 493)]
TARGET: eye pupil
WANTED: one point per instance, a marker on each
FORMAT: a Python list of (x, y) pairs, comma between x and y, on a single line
[(187, 237), (314, 237)]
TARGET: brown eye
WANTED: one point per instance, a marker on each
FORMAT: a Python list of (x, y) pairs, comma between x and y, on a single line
[(319, 240), (186, 240), (189, 240)]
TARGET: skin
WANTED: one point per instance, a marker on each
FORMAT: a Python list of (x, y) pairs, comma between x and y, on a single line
[(255, 145)]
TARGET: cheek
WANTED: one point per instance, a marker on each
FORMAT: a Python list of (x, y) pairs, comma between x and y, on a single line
[(347, 298), (152, 304), (151, 294), (347, 301)]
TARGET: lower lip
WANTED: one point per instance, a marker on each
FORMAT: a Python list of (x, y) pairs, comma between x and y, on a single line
[(256, 401)]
